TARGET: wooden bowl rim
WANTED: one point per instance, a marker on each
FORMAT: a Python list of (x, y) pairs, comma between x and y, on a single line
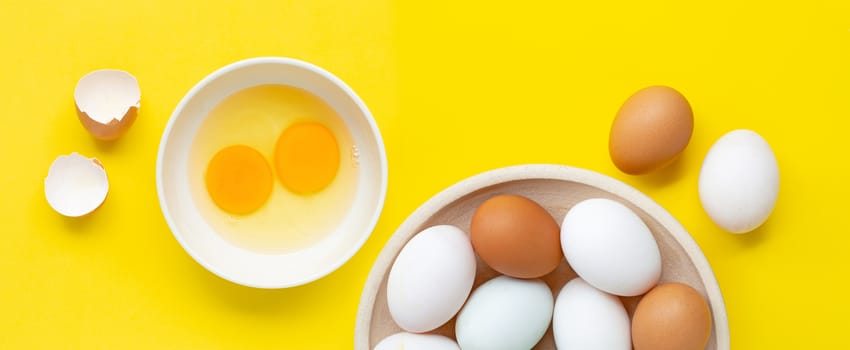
[(537, 172)]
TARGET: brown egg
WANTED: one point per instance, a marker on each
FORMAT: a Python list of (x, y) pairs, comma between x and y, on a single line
[(516, 236), (651, 129), (671, 316)]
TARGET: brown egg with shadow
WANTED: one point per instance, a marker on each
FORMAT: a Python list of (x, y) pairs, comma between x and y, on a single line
[(650, 130), (516, 236), (671, 316)]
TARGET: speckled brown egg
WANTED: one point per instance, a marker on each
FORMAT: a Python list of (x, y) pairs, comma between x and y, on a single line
[(516, 236), (650, 130), (672, 316)]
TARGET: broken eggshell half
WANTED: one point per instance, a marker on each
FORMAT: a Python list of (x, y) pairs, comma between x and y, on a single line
[(107, 102), (75, 185)]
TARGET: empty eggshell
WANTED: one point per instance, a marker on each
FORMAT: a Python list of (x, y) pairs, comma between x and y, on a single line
[(107, 102), (739, 181), (650, 130), (75, 185)]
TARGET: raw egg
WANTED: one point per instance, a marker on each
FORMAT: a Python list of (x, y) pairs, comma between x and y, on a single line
[(516, 236), (650, 130), (306, 157), (273, 169), (239, 179), (671, 316)]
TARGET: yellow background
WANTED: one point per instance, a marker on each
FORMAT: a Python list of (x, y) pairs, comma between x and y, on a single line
[(457, 88)]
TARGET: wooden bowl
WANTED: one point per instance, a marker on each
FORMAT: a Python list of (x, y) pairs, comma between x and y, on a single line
[(556, 188)]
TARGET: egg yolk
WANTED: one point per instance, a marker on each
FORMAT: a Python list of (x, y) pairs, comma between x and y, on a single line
[(239, 179), (306, 157)]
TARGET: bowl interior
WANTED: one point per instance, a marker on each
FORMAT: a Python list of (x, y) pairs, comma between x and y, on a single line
[(557, 189), (244, 266)]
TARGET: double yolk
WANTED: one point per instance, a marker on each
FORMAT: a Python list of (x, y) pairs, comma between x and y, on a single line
[(306, 159)]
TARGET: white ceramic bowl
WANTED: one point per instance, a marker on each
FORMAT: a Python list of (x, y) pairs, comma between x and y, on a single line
[(247, 267), (556, 188)]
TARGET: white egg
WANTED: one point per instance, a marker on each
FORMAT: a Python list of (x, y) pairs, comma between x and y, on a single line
[(589, 319), (739, 181), (505, 313), (431, 278), (610, 247), (410, 341)]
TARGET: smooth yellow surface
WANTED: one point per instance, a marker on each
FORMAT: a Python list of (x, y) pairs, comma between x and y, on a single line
[(457, 88)]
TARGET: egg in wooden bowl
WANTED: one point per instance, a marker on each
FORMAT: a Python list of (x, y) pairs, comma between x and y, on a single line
[(573, 307)]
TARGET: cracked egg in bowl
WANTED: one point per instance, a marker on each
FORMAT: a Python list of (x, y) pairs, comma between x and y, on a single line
[(271, 172)]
